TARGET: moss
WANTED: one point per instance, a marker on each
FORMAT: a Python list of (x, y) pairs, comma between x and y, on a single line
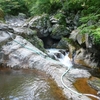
[(71, 42), (37, 43)]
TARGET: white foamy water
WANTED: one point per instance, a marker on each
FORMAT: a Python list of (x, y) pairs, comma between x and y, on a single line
[(60, 55)]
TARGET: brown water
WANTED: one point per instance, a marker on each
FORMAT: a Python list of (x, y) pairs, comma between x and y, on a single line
[(82, 86), (28, 85)]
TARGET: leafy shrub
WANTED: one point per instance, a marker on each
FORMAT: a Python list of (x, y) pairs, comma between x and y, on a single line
[(44, 6), (13, 6)]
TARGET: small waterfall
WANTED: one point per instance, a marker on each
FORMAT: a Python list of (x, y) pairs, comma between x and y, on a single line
[(60, 55)]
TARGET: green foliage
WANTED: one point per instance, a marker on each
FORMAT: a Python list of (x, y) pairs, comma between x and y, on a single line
[(89, 17), (13, 6), (90, 11), (44, 6), (60, 17), (92, 30), (73, 4), (96, 35)]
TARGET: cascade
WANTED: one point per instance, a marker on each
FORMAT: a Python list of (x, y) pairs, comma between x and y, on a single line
[(60, 55)]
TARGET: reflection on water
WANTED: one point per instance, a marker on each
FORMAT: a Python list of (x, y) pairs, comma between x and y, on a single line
[(27, 85)]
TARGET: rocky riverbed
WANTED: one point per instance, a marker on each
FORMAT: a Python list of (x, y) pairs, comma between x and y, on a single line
[(17, 52)]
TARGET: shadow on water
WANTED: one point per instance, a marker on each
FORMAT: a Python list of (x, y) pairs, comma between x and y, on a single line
[(28, 85)]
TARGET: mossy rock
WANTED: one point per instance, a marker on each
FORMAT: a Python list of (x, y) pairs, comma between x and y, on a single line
[(58, 31), (37, 43), (81, 38), (75, 35), (43, 25), (1, 14), (69, 45), (63, 44)]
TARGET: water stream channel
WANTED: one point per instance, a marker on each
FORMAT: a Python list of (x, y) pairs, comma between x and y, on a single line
[(32, 84)]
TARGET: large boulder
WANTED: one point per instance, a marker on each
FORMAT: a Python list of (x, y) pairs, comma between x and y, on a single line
[(41, 24), (63, 44), (37, 42), (85, 58), (77, 36), (85, 39), (31, 35), (58, 31)]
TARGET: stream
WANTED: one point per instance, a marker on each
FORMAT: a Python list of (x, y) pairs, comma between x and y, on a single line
[(32, 84)]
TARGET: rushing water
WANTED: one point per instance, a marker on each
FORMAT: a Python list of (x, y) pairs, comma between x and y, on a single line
[(27, 85), (61, 55)]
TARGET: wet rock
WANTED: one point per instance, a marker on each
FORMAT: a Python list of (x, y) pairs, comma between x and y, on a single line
[(84, 58), (58, 31), (69, 45), (71, 51), (95, 83), (3, 26), (19, 53), (79, 73), (63, 44), (63, 51)]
